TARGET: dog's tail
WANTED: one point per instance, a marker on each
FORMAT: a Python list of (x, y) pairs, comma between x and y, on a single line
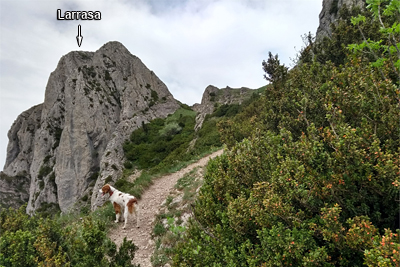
[(132, 205)]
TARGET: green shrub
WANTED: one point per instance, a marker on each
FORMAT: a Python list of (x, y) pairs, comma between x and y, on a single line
[(41, 185), (17, 249), (60, 241), (94, 176), (159, 229), (128, 165), (125, 254), (274, 197), (114, 167), (171, 129), (154, 96)]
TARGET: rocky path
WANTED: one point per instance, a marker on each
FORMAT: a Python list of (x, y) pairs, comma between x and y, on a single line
[(149, 206)]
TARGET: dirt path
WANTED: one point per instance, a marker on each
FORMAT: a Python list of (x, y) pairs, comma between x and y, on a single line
[(149, 206)]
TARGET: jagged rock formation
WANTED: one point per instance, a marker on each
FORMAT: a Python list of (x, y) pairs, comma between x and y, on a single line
[(330, 13), (63, 150), (213, 96)]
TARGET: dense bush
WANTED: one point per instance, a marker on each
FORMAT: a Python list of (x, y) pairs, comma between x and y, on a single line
[(278, 201), (59, 241), (315, 180)]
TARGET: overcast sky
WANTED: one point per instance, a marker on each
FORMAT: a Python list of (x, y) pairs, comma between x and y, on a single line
[(189, 44)]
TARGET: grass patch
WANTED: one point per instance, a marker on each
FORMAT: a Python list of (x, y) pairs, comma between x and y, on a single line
[(186, 180), (159, 229), (181, 113)]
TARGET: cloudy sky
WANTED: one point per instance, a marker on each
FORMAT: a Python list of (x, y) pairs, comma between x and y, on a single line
[(189, 44)]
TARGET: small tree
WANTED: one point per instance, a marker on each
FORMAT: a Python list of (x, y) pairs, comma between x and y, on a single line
[(275, 72)]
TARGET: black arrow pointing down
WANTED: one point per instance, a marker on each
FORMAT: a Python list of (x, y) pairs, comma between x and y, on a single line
[(79, 36)]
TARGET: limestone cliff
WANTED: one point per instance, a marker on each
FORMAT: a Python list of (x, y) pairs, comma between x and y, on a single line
[(63, 150)]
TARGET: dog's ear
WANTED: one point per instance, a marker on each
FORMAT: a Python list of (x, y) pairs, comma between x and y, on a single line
[(105, 189)]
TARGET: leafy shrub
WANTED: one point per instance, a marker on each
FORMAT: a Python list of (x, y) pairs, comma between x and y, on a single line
[(108, 179), (62, 241), (274, 197), (208, 135), (17, 249), (124, 255), (114, 167), (171, 129)]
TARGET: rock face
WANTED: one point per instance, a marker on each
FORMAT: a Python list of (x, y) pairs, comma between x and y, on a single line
[(63, 150), (15, 182), (330, 13)]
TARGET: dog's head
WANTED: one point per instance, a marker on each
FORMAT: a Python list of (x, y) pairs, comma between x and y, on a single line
[(106, 189)]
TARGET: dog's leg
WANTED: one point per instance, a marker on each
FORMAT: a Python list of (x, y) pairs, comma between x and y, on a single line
[(117, 209), (126, 214), (137, 215), (122, 212)]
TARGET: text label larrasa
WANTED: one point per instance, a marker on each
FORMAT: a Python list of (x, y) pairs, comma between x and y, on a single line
[(79, 15)]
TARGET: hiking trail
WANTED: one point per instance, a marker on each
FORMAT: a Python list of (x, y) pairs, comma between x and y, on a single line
[(149, 206)]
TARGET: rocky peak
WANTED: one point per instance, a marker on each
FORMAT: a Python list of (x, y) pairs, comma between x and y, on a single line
[(67, 147)]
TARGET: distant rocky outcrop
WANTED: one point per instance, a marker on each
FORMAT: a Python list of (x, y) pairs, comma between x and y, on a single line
[(63, 150), (213, 96), (330, 14)]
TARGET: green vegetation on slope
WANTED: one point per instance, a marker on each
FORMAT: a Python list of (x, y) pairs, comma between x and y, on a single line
[(162, 143), (154, 142), (316, 179)]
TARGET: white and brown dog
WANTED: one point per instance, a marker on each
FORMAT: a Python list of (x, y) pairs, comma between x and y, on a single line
[(122, 202)]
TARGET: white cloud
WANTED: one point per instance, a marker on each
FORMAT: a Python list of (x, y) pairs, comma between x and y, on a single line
[(189, 44)]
